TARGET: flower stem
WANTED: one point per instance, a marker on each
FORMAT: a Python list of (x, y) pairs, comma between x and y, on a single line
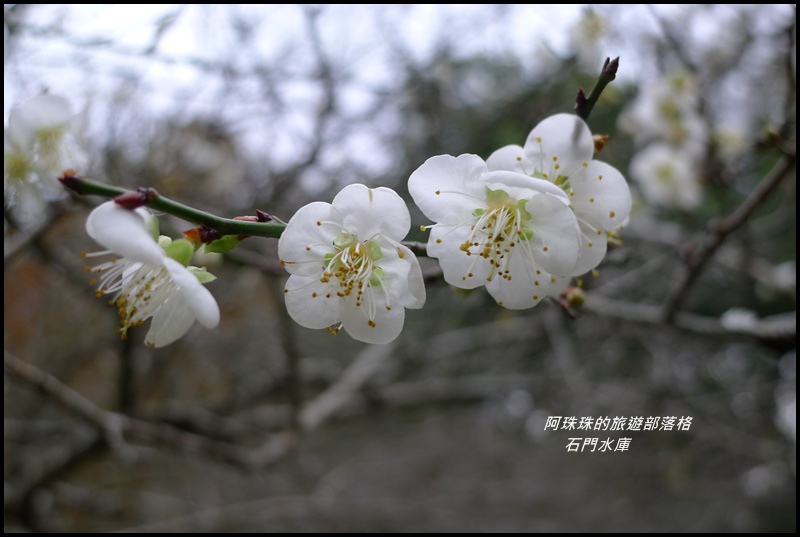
[(224, 226), (584, 104)]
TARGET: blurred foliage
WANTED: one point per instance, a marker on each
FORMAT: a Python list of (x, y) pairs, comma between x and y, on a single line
[(445, 431)]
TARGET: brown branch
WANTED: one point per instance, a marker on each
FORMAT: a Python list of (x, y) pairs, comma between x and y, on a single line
[(117, 426), (368, 363), (719, 231), (673, 40), (774, 327)]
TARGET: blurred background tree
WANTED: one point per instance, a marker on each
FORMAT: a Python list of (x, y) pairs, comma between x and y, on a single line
[(261, 425)]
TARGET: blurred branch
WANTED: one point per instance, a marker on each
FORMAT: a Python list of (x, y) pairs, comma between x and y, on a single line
[(366, 365), (16, 242), (116, 426), (326, 110), (673, 40), (448, 390), (291, 352), (563, 349), (108, 422), (13, 243), (719, 231), (775, 327), (77, 448), (790, 67), (106, 45), (217, 519)]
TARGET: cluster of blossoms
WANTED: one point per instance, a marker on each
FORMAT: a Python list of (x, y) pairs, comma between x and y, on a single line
[(526, 220), (672, 137), (523, 223), (42, 136)]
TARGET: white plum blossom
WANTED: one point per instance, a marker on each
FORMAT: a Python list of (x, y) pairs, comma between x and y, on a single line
[(667, 110), (347, 266), (667, 177), (503, 229), (586, 38), (41, 140), (560, 150), (147, 280)]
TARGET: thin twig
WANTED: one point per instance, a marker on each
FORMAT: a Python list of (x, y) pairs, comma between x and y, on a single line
[(117, 426), (673, 40), (368, 363), (719, 231), (775, 327), (584, 104)]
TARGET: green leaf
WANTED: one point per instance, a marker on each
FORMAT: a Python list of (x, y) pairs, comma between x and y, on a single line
[(223, 245), (181, 251), (202, 274)]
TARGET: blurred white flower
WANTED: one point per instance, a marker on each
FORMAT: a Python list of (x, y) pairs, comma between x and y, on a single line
[(502, 229), (41, 140), (667, 177), (560, 150), (731, 141), (146, 280), (586, 40), (348, 268), (666, 110), (739, 320)]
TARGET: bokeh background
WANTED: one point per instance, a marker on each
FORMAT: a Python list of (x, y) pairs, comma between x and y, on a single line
[(262, 425)]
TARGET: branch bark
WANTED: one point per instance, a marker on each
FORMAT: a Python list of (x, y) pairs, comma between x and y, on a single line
[(720, 231)]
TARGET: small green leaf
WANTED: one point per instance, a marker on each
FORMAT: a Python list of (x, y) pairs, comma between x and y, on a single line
[(222, 245), (180, 250), (202, 274)]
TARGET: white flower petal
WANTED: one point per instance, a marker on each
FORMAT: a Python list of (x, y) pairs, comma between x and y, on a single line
[(510, 158), (310, 302), (559, 145), (601, 196), (555, 244), (529, 284), (416, 285), (124, 232), (308, 237), (199, 300), (45, 111), (18, 137), (558, 285), (445, 186), (371, 211), (521, 186), (402, 271), (384, 327), (171, 322), (593, 249), (460, 270)]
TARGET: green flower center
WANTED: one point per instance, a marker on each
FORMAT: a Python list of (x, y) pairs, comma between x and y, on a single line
[(17, 167), (354, 265), (498, 230)]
